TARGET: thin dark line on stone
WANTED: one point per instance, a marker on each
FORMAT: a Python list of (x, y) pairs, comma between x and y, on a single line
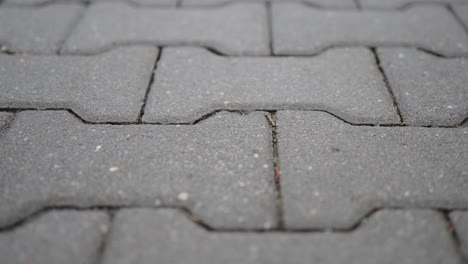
[(105, 237), (457, 18), (72, 27), (148, 89), (453, 234), (270, 26)]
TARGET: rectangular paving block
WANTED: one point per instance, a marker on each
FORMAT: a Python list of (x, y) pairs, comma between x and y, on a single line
[(404, 3), (239, 29), (429, 90), (321, 3), (143, 236), (192, 82), (108, 87), (220, 169), (460, 225), (37, 30), (334, 173), (55, 237), (298, 29)]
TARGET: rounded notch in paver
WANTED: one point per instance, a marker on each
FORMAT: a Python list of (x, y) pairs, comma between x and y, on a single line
[(141, 236), (332, 28), (193, 82), (107, 87), (55, 237), (429, 90), (237, 29), (334, 173), (220, 169), (37, 30)]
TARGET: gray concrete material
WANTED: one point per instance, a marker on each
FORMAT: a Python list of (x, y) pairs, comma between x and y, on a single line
[(192, 82), (55, 237), (394, 4), (143, 236), (38, 3), (372, 28), (462, 12), (347, 4), (460, 223), (36, 30), (334, 173), (238, 29), (220, 169), (145, 3), (108, 87), (429, 90)]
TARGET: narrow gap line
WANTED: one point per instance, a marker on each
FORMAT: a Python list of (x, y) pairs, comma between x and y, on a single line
[(270, 26), (105, 238), (358, 5), (271, 118), (457, 18), (73, 25), (387, 85), (453, 234), (148, 89)]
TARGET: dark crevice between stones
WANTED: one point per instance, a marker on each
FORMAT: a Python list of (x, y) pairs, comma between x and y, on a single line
[(457, 18), (105, 237), (270, 26), (451, 229), (148, 89), (72, 27), (271, 118), (387, 85), (358, 5)]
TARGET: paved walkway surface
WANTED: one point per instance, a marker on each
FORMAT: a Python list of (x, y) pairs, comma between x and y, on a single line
[(229, 131)]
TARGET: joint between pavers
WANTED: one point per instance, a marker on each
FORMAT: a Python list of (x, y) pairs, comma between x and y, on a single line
[(451, 229), (148, 89)]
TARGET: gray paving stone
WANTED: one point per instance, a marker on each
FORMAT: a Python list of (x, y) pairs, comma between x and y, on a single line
[(239, 29), (334, 173), (37, 3), (462, 12), (36, 30), (321, 3), (108, 87), (460, 222), (373, 28), (404, 3), (143, 236), (192, 82), (55, 237), (146, 3), (5, 119), (429, 90), (220, 169)]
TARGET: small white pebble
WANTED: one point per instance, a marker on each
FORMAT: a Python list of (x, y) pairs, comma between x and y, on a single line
[(114, 169), (450, 107), (256, 155), (183, 196), (97, 148)]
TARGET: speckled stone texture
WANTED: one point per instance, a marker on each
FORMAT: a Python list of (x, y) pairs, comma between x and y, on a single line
[(238, 29), (334, 173), (332, 28), (141, 236), (55, 237), (41, 30), (108, 87), (193, 82), (429, 90), (220, 169)]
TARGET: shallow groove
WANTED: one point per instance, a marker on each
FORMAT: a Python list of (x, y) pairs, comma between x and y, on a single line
[(105, 237), (215, 112), (148, 89), (73, 25), (453, 234), (270, 27), (457, 18), (387, 85)]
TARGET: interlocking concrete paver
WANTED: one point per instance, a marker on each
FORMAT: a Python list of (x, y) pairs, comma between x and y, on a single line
[(220, 169), (192, 82), (462, 12), (141, 236), (334, 173), (373, 28), (460, 222), (234, 29), (321, 3), (37, 30), (428, 89), (108, 87), (404, 3), (55, 237)]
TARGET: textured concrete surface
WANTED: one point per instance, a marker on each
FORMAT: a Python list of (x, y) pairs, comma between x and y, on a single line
[(333, 173), (109, 87), (460, 225), (56, 237), (238, 29), (220, 169), (429, 90), (40, 30), (327, 28), (193, 82), (347, 4), (141, 236)]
